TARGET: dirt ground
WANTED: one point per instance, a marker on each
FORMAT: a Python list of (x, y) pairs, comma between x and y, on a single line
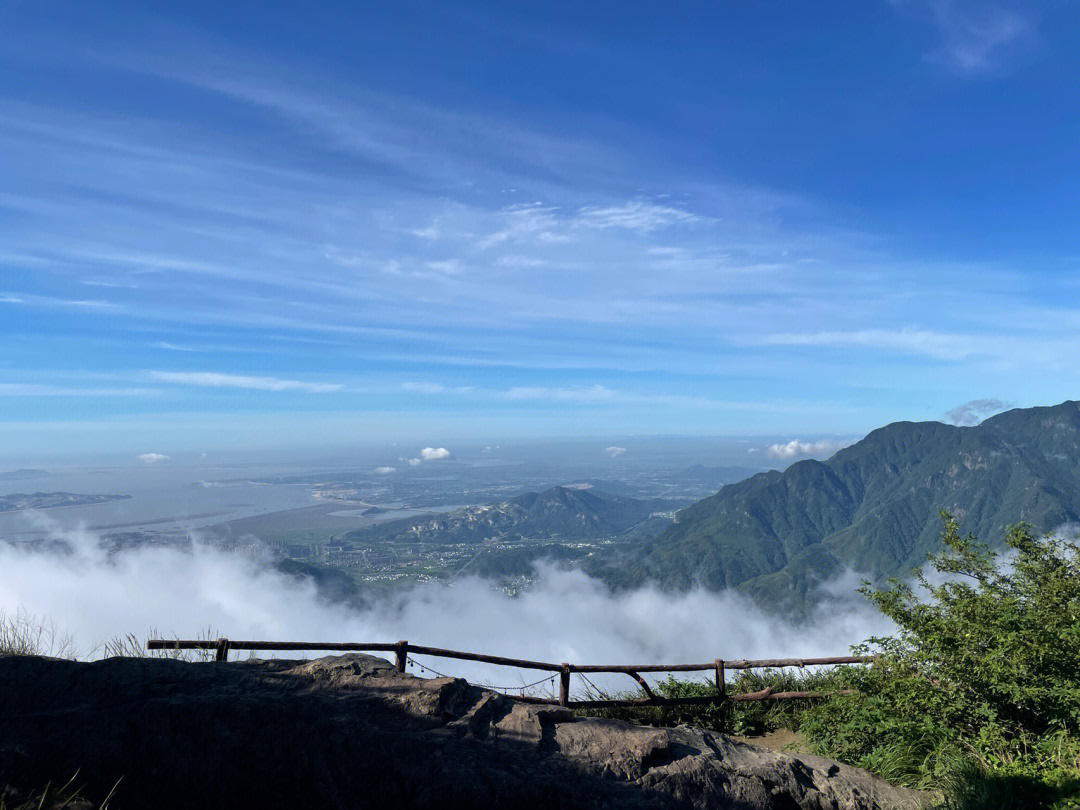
[(780, 740)]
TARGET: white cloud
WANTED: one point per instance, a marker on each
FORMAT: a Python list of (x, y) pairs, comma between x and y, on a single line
[(435, 388), (595, 392), (343, 259), (971, 413), (31, 299), (448, 266), (976, 36), (213, 379), (430, 232), (526, 221), (427, 454), (517, 260), (614, 452), (422, 387), (796, 448), (95, 596), (385, 470), (39, 390), (536, 222), (153, 458), (636, 215), (938, 345), (161, 344)]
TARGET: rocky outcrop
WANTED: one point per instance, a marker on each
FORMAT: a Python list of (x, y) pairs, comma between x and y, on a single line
[(352, 732)]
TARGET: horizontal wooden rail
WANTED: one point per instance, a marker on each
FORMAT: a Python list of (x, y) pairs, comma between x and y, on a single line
[(211, 644), (486, 659), (401, 650), (761, 663)]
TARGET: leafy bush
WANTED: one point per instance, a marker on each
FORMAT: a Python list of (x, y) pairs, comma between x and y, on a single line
[(977, 694), (742, 717)]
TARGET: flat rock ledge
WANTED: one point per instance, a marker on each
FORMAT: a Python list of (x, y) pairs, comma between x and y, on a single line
[(351, 732)]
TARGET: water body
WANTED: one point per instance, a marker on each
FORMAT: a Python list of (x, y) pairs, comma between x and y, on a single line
[(162, 498)]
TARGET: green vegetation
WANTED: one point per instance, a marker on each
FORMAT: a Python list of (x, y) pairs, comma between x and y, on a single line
[(559, 512), (750, 718), (978, 692), (871, 507), (976, 697)]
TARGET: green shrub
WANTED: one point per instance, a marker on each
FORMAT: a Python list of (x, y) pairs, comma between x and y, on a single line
[(975, 697), (732, 717), (977, 694)]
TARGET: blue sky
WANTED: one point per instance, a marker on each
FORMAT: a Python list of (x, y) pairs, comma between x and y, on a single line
[(250, 225)]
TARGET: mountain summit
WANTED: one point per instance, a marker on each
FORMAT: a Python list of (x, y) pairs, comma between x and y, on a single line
[(872, 507)]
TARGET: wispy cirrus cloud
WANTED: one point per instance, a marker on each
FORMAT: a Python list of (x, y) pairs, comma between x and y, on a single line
[(49, 301), (448, 266), (40, 390), (218, 380), (423, 387), (977, 37), (539, 223), (588, 394), (938, 345), (527, 221), (349, 229), (435, 388), (518, 260), (634, 215)]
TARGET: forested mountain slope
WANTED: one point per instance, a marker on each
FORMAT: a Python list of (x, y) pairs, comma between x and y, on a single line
[(873, 507), (559, 512)]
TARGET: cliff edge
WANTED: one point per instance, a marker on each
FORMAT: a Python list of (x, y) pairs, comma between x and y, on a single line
[(351, 732)]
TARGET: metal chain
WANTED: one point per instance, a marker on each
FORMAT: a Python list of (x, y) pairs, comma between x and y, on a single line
[(425, 668), (598, 690)]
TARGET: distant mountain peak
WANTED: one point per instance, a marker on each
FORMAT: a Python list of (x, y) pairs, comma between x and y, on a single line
[(873, 506)]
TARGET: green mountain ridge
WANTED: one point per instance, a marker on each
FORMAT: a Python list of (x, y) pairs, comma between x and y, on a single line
[(873, 507), (559, 512)]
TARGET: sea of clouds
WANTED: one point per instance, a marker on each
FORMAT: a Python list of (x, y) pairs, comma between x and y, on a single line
[(567, 616)]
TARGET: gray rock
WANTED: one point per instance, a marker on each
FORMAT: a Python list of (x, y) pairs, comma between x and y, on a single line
[(352, 732)]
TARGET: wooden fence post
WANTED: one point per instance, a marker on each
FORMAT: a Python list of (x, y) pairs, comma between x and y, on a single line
[(564, 685), (721, 686), (402, 655), (222, 650)]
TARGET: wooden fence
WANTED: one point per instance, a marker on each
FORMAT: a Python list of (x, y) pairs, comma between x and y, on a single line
[(402, 649)]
